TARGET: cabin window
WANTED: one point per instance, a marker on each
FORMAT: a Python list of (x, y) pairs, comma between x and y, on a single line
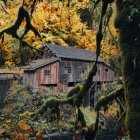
[(67, 70), (106, 70), (47, 72), (82, 69)]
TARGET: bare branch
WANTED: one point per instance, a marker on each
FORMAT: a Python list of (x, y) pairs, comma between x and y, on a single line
[(13, 29), (33, 6)]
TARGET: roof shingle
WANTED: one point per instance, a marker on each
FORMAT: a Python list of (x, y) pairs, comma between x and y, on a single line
[(72, 53), (64, 53), (40, 63)]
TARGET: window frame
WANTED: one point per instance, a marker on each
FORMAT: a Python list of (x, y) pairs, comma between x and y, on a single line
[(47, 71)]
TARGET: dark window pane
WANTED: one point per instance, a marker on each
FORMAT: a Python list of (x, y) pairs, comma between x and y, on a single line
[(47, 72), (106, 70), (69, 69)]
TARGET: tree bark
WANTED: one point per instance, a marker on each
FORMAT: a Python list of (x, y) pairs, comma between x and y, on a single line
[(128, 23)]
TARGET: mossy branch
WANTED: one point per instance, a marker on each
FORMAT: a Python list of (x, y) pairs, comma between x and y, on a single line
[(96, 2), (76, 99), (81, 118), (54, 102), (75, 96), (110, 97), (73, 91), (84, 90), (91, 131), (22, 14), (122, 111), (101, 103)]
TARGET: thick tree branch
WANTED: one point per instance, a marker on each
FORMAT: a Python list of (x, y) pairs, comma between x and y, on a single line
[(81, 118), (75, 100), (33, 6), (110, 97), (13, 29), (91, 131), (122, 108)]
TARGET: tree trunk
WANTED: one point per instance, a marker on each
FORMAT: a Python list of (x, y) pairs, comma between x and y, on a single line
[(128, 23)]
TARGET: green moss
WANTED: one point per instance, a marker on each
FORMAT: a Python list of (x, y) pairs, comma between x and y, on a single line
[(81, 118), (108, 98), (129, 42), (73, 91), (84, 130)]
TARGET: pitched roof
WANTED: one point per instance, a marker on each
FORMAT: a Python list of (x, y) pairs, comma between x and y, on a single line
[(72, 53), (63, 53), (40, 63)]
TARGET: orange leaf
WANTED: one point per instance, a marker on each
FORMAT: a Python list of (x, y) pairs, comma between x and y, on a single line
[(24, 126), (39, 136), (25, 138)]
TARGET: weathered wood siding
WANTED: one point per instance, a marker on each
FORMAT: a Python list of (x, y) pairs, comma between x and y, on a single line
[(71, 72), (76, 71), (64, 74), (48, 79), (29, 79), (37, 78), (5, 76), (48, 53), (79, 71), (104, 74)]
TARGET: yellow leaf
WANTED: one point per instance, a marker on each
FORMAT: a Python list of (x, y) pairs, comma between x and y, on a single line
[(26, 113)]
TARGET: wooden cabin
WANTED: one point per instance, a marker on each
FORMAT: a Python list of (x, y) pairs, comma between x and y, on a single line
[(62, 67)]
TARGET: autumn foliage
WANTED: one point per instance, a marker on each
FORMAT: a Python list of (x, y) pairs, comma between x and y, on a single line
[(57, 22)]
